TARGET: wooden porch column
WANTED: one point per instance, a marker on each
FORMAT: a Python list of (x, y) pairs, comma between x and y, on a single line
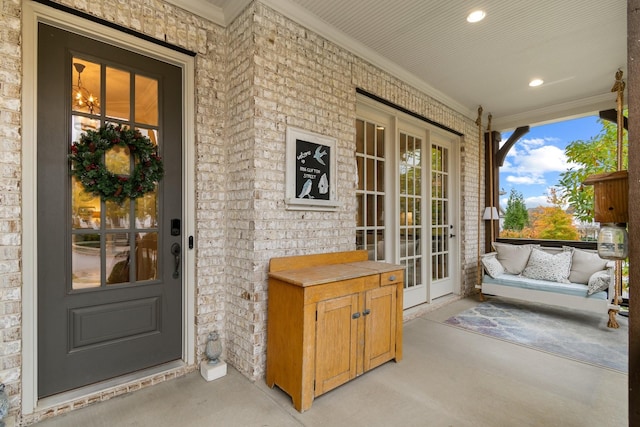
[(491, 148)]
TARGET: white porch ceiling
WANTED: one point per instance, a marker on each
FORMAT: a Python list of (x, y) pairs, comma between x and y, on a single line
[(576, 46)]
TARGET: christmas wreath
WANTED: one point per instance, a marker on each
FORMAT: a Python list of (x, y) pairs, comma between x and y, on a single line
[(87, 157)]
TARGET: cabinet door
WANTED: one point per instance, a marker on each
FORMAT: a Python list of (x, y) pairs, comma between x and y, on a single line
[(380, 326), (336, 339)]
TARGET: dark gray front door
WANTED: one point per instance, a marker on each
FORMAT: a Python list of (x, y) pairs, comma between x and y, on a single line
[(109, 285)]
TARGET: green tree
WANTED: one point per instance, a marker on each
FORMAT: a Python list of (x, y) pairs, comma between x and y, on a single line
[(597, 155), (516, 216)]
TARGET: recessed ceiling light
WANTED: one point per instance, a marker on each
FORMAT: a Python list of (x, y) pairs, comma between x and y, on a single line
[(476, 16), (536, 82)]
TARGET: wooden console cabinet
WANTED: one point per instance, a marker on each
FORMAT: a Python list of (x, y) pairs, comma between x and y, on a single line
[(331, 317)]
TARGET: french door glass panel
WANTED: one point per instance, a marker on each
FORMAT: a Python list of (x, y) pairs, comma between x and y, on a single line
[(370, 193), (443, 248), (410, 206)]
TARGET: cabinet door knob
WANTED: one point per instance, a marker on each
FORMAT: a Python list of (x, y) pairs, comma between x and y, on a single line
[(392, 277), (355, 315), (366, 311)]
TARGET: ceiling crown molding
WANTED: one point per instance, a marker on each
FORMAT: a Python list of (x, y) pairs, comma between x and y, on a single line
[(566, 110), (203, 9), (222, 16)]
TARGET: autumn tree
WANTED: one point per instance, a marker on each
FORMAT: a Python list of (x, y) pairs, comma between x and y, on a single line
[(597, 155), (553, 222), (516, 216)]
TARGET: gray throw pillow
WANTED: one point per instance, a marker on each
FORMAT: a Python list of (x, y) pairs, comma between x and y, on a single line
[(512, 257), (584, 264), (491, 265), (599, 281)]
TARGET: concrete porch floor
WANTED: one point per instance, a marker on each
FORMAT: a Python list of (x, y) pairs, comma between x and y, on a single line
[(448, 377)]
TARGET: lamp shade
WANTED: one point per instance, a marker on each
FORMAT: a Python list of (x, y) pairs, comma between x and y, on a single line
[(490, 213)]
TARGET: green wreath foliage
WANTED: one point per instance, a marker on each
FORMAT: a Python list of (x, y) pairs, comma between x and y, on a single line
[(87, 158)]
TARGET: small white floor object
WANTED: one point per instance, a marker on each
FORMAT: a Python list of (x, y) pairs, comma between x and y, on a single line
[(213, 372)]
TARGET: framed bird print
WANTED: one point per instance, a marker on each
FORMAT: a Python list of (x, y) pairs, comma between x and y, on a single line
[(311, 171)]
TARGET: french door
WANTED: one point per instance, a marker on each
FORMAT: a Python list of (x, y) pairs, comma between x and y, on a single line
[(444, 242), (109, 273), (408, 200)]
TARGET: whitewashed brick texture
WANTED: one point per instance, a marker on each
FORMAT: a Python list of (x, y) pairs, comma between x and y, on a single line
[(10, 201), (253, 79)]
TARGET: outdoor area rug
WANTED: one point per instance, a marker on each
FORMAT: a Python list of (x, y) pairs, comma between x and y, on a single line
[(568, 333)]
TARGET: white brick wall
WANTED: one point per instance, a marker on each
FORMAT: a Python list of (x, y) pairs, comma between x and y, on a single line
[(10, 198), (253, 79)]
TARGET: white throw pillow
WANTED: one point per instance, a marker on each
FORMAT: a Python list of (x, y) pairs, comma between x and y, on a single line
[(512, 257), (545, 266), (584, 264), (599, 281), (491, 265)]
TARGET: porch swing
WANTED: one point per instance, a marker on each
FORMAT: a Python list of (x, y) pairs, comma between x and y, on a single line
[(526, 272)]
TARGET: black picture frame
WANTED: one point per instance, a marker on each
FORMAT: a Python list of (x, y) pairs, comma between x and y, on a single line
[(311, 170)]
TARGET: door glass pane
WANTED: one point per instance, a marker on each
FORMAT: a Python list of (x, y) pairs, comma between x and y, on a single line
[(152, 134), (380, 140), (80, 124), (118, 104), (360, 210), (117, 215), (360, 136), (371, 209), (85, 261), (371, 172), (146, 100), (360, 239), (380, 175), (147, 256), (85, 207), (147, 210), (85, 88), (370, 139), (118, 258)]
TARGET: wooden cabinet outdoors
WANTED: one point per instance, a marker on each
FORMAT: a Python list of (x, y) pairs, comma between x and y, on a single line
[(331, 317)]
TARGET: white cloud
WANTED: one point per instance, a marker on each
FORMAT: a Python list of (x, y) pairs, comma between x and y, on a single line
[(530, 159), (548, 158), (534, 202), (525, 180)]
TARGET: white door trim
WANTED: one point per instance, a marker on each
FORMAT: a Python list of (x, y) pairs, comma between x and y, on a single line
[(34, 13)]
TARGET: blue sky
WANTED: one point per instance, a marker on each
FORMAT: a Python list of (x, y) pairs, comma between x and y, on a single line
[(535, 162)]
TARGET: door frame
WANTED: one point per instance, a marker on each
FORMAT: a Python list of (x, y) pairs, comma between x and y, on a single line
[(34, 13)]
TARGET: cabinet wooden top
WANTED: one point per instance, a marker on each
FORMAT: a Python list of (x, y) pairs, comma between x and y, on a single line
[(320, 274)]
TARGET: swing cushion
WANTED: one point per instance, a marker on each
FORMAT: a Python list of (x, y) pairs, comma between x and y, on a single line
[(573, 289)]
